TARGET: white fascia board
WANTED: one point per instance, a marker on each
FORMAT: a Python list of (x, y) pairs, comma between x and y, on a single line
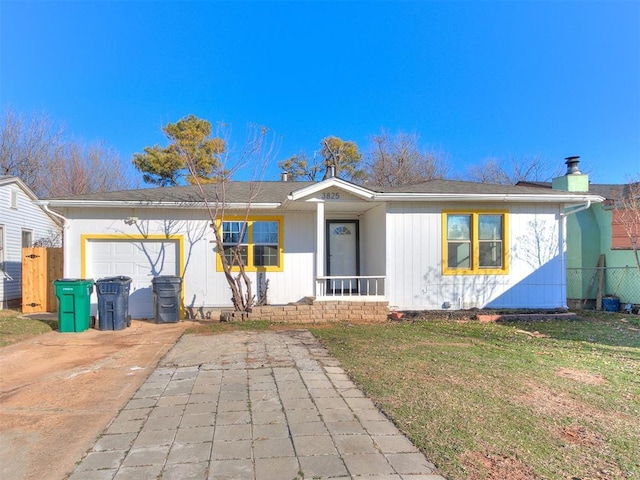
[(138, 204), (503, 197), (23, 186), (332, 182)]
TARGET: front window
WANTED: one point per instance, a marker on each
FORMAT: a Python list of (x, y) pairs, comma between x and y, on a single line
[(234, 239), (474, 243), (257, 243), (265, 244)]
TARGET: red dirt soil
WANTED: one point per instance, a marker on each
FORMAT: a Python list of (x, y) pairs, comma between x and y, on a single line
[(58, 392)]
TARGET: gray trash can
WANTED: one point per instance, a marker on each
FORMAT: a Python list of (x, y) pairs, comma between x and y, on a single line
[(113, 303), (166, 298)]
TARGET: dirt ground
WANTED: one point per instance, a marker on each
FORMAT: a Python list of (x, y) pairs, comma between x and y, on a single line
[(58, 392)]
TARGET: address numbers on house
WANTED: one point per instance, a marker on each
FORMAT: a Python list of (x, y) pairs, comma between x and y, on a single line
[(330, 196)]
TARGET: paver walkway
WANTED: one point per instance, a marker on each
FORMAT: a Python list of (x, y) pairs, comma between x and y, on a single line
[(249, 405)]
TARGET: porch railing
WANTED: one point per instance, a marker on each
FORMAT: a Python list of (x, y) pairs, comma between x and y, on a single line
[(345, 286)]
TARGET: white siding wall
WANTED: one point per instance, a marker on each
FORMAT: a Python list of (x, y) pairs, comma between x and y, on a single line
[(203, 285), (372, 241), (414, 261), (401, 240), (27, 216)]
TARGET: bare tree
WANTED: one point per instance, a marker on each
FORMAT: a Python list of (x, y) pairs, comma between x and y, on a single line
[(194, 145), (257, 152), (38, 152), (76, 169), (627, 210), (27, 145), (396, 160), (512, 171)]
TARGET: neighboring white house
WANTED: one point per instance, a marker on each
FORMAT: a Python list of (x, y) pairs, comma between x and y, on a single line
[(438, 244), (22, 222)]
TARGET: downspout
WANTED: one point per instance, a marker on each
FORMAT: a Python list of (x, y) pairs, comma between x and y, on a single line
[(578, 209), (45, 205), (562, 244), (65, 224)]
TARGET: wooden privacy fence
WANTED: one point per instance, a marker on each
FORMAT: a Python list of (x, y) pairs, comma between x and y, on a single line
[(40, 268)]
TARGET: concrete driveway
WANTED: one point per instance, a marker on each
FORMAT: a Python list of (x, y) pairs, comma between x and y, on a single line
[(59, 391)]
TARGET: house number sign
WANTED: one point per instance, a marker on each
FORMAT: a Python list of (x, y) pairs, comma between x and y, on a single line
[(330, 196)]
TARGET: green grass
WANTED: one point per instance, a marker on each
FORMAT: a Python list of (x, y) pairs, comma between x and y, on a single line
[(546, 399), (14, 327)]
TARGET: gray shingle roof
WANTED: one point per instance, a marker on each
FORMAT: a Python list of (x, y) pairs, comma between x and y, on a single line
[(610, 191), (277, 191), (471, 188), (240, 192)]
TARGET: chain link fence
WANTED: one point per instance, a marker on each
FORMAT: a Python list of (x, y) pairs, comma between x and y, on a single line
[(620, 282)]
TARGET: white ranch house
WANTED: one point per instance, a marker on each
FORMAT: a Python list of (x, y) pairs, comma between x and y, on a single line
[(435, 245)]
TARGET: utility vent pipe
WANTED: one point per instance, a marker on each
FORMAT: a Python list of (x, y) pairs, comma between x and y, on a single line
[(284, 176), (332, 171), (572, 165)]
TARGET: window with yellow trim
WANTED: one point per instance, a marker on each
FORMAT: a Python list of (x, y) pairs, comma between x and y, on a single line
[(255, 243), (474, 242)]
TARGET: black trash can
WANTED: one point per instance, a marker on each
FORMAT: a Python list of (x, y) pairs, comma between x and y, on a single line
[(113, 303), (166, 298)]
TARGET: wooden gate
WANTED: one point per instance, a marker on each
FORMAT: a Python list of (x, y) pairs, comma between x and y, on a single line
[(40, 268)]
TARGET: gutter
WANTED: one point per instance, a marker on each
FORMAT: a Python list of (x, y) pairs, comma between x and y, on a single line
[(45, 206), (143, 204), (580, 208), (495, 197)]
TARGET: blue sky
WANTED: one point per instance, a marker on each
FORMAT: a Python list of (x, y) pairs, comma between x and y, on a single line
[(475, 80)]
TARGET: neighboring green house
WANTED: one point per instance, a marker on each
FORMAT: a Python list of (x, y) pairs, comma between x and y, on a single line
[(593, 232)]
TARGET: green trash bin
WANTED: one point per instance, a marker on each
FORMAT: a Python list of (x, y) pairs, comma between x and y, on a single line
[(74, 304)]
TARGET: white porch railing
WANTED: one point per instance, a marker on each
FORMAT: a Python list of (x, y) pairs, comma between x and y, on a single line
[(344, 286)]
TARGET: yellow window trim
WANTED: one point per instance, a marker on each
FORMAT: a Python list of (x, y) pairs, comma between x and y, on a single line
[(475, 244), (85, 238), (250, 267)]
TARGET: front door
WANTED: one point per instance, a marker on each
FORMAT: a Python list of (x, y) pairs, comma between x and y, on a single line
[(342, 256)]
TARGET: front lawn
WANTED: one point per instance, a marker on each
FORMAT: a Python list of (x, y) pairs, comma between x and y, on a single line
[(539, 400)]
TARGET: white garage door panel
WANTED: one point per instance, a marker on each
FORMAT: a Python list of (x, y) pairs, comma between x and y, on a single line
[(141, 260)]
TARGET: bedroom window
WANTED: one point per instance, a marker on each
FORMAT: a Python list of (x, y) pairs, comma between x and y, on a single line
[(256, 242), (474, 243)]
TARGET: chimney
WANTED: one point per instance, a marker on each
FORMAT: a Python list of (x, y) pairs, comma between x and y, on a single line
[(284, 177), (574, 180), (332, 171), (572, 165)]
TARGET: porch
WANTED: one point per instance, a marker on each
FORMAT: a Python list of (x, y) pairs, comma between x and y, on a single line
[(336, 287)]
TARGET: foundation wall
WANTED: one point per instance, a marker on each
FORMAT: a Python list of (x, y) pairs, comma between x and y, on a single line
[(323, 312)]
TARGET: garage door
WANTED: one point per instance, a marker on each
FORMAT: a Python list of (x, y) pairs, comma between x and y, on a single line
[(141, 260)]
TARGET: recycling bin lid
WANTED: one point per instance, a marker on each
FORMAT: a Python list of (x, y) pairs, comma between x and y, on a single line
[(120, 279), (166, 279), (89, 280)]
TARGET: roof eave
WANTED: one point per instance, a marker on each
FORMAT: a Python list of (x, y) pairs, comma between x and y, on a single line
[(489, 197), (143, 204)]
